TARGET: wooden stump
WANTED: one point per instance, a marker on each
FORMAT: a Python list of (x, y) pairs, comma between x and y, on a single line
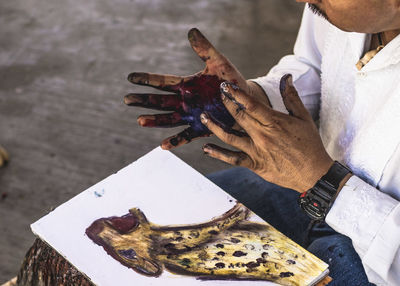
[(43, 266)]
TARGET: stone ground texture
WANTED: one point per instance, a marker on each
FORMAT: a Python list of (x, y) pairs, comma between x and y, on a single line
[(63, 69)]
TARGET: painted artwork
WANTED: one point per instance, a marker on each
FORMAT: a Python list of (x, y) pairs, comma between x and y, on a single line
[(227, 247), (159, 222)]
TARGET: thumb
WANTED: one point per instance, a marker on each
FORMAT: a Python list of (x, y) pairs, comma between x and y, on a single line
[(206, 51), (291, 98)]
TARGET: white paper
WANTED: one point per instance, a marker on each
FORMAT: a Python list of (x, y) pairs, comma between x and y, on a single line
[(166, 189)]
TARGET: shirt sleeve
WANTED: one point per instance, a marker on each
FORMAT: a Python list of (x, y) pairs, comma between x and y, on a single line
[(371, 219), (304, 65)]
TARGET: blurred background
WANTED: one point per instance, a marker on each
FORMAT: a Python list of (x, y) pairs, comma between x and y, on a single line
[(63, 69)]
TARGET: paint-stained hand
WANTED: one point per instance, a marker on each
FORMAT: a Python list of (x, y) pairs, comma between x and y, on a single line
[(189, 95), (283, 149), (3, 157)]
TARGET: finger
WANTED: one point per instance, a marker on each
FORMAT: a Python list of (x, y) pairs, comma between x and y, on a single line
[(291, 99), (182, 138), (161, 120), (234, 158), (167, 102), (205, 50), (236, 100), (159, 81), (237, 139)]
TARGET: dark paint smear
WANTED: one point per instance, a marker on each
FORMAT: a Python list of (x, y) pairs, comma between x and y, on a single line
[(200, 94), (286, 274), (220, 265), (185, 262), (221, 253), (93, 232), (261, 260), (129, 253), (235, 240), (219, 245), (123, 224)]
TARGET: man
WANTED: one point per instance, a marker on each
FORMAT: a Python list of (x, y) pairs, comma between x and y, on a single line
[(351, 81)]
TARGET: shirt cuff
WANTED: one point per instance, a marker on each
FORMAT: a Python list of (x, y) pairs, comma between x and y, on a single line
[(361, 212)]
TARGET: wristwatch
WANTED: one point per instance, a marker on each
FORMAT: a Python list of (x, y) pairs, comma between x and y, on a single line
[(317, 201)]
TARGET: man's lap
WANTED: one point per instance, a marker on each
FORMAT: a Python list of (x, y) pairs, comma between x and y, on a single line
[(278, 206)]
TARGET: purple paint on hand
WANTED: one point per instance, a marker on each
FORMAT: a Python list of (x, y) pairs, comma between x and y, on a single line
[(202, 94)]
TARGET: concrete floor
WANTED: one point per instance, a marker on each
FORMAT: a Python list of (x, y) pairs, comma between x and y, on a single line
[(63, 68)]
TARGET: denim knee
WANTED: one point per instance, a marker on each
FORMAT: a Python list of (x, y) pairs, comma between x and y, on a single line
[(344, 263)]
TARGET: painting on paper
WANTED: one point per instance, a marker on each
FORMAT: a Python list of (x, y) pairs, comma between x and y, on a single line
[(159, 222)]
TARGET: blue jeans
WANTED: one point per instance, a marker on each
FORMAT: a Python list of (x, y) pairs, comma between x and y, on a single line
[(278, 206)]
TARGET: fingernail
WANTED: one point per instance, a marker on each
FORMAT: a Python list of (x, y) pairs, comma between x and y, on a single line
[(224, 87), (174, 141), (206, 149), (204, 118), (132, 76), (285, 80)]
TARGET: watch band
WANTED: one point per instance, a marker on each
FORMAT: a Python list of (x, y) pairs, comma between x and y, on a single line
[(317, 201)]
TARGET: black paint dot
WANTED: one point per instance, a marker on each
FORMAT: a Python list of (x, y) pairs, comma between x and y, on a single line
[(221, 253), (266, 246), (219, 245), (289, 261), (239, 253), (252, 264), (220, 265)]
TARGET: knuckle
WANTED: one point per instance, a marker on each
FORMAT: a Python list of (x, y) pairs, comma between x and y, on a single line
[(228, 137), (251, 106), (240, 115), (238, 160)]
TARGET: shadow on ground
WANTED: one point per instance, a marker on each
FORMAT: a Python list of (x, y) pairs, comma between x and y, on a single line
[(63, 68)]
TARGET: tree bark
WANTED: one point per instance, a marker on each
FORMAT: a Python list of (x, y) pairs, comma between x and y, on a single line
[(43, 266)]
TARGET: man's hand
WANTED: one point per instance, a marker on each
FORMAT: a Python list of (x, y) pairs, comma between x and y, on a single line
[(3, 157), (191, 95), (283, 149)]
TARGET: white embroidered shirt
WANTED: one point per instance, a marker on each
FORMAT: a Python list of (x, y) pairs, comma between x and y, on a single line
[(359, 113)]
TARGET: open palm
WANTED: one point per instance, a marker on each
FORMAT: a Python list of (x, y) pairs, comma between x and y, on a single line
[(189, 96)]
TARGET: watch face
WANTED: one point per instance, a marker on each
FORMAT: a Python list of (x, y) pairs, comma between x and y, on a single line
[(317, 201), (312, 207)]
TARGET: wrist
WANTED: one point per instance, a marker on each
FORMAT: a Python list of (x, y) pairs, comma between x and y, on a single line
[(317, 172), (317, 201), (343, 182)]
